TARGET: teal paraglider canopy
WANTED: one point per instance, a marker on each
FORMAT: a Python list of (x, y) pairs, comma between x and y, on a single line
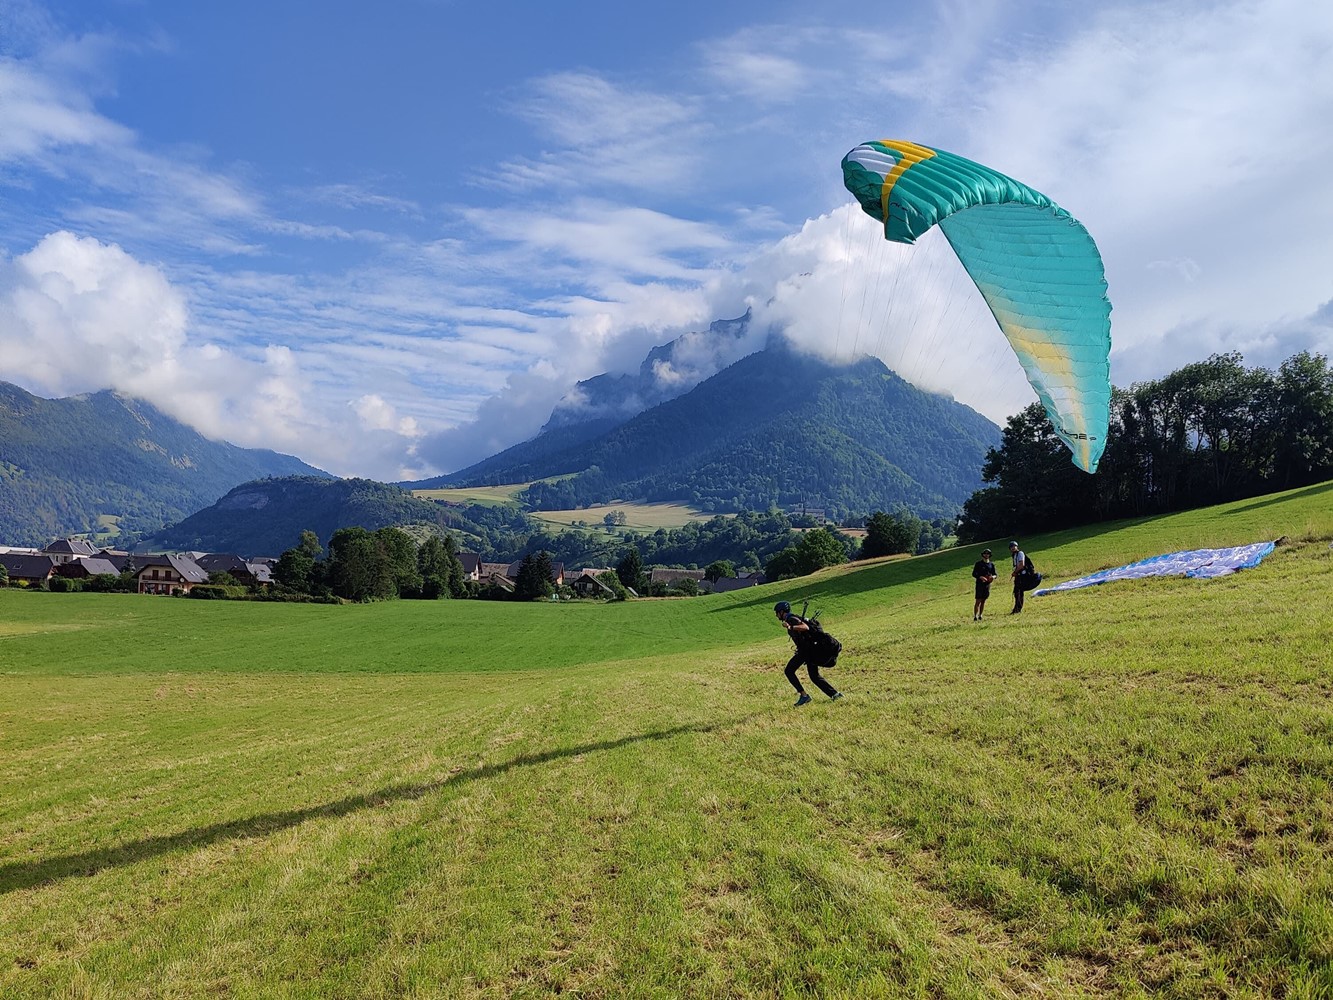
[(1035, 265)]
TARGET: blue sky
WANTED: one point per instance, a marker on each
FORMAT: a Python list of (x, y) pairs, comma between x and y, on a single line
[(388, 238)]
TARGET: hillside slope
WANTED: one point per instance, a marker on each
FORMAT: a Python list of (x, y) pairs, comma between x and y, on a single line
[(1122, 792), (66, 463), (267, 517)]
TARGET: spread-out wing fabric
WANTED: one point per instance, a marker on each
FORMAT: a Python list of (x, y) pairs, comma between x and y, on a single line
[(1203, 564), (1034, 264)]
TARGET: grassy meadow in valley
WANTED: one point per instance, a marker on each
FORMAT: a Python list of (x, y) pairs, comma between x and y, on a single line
[(1124, 791)]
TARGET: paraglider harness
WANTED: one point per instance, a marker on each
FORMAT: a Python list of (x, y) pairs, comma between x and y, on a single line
[(820, 647), (1028, 577)]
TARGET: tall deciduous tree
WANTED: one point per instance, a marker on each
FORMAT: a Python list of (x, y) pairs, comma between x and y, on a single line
[(887, 535), (1209, 432), (400, 555), (1304, 407), (433, 565), (819, 548), (718, 569), (441, 570), (358, 567), (782, 566), (815, 550), (297, 568)]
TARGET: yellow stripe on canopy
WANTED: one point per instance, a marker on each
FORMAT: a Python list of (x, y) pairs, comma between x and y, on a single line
[(911, 153)]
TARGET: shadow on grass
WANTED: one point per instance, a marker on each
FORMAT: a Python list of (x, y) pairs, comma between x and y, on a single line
[(25, 875)]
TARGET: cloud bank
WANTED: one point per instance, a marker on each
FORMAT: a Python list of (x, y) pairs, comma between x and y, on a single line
[(372, 327)]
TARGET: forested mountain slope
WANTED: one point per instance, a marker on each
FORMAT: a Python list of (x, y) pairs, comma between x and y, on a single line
[(777, 427), (267, 517), (68, 464)]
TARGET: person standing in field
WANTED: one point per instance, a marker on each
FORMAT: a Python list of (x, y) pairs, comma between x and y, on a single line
[(1020, 561), (984, 573), (807, 652)]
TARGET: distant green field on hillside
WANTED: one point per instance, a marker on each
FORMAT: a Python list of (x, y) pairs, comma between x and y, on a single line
[(488, 495), (638, 516), (1125, 791)]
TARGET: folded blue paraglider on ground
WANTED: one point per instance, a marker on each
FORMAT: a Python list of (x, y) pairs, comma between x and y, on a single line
[(1203, 564)]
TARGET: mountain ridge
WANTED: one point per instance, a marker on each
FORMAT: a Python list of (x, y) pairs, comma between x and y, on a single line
[(667, 371), (868, 440), (74, 464), (266, 517), (776, 428)]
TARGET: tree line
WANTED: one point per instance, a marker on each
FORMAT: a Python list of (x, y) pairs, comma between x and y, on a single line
[(748, 540), (363, 565), (1207, 433), (388, 563)]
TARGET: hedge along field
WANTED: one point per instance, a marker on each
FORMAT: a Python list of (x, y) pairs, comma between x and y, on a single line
[(1122, 792)]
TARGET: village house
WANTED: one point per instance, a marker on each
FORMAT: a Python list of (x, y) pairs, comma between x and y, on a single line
[(496, 573), (81, 569), (249, 574), (65, 550), (726, 584), (74, 559), (816, 514), (506, 574), (586, 584), (167, 574), (471, 565), (116, 557), (27, 570), (179, 572)]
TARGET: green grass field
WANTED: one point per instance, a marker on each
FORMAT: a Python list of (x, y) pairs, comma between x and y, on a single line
[(1123, 792)]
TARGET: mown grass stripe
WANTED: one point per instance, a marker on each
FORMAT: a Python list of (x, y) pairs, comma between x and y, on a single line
[(1122, 792)]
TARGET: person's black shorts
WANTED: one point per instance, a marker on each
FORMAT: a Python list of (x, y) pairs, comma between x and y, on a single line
[(983, 591)]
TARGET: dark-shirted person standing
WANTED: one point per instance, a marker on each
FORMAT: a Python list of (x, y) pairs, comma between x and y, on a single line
[(984, 572)]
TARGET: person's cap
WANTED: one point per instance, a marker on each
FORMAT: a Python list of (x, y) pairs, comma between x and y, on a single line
[(1013, 545), (985, 552)]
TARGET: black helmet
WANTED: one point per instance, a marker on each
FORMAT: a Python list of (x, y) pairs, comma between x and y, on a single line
[(781, 608)]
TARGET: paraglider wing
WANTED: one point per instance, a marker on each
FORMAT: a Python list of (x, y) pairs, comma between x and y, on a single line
[(1034, 264)]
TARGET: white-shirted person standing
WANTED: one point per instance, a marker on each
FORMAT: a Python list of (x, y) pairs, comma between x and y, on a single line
[(1019, 560)]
